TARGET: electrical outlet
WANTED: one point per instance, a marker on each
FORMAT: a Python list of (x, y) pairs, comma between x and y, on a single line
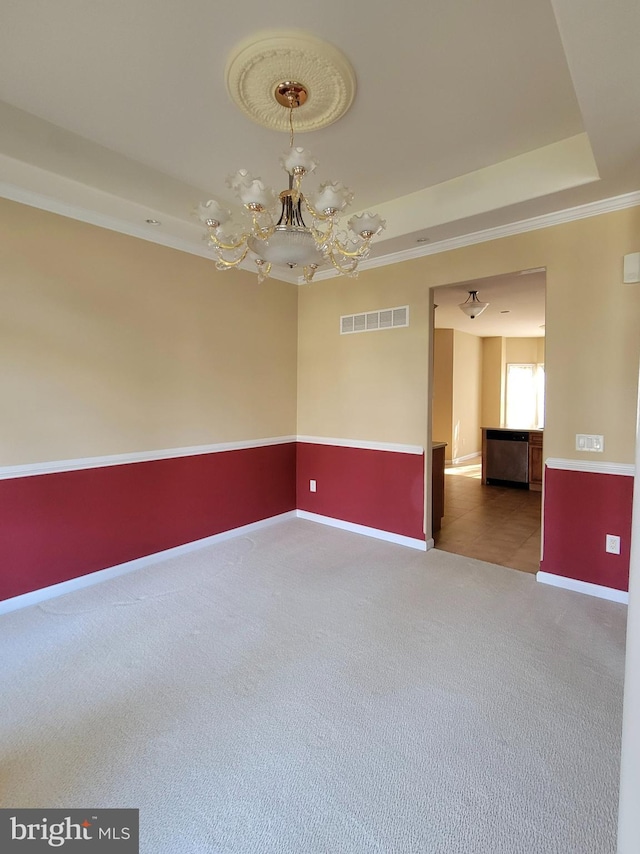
[(612, 544), (312, 486)]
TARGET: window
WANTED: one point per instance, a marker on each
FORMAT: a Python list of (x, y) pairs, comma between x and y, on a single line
[(525, 397)]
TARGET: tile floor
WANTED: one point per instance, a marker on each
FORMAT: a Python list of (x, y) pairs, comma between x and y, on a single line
[(493, 523)]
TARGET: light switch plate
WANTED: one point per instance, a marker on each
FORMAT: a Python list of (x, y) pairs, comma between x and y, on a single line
[(589, 442), (631, 272)]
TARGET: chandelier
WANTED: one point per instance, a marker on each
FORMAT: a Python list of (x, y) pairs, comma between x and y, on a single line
[(306, 233), (472, 306)]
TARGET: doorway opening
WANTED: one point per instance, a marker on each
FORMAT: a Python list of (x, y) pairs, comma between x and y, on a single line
[(488, 380)]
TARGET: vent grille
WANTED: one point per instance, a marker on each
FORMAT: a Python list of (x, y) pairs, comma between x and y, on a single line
[(385, 318)]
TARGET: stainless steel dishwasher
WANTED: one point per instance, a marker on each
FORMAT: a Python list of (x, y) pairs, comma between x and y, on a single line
[(507, 457)]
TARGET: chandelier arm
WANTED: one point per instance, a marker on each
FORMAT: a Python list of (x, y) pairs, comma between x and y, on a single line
[(227, 264), (263, 272), (262, 231), (227, 247), (321, 237), (359, 253), (308, 272), (351, 270), (321, 217)]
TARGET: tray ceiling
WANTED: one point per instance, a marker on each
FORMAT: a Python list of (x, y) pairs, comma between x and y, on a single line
[(466, 115)]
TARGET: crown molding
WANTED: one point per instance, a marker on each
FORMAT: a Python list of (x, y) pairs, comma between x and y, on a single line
[(617, 203), (111, 223), (149, 233), (48, 203)]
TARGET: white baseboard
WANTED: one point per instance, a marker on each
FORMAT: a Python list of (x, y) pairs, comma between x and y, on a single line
[(377, 533), (54, 590), (583, 587)]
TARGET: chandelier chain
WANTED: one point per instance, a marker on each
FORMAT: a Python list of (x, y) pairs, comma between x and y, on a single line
[(291, 124)]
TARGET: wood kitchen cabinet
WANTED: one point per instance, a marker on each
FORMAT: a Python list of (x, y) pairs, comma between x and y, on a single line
[(437, 485), (535, 460)]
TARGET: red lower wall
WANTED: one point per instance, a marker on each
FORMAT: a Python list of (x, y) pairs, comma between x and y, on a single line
[(580, 509), (59, 526), (379, 489)]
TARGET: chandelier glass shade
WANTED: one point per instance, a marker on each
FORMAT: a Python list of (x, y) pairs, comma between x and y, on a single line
[(472, 306), (305, 234)]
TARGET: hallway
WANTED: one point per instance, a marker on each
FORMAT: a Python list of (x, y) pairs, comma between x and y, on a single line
[(493, 523)]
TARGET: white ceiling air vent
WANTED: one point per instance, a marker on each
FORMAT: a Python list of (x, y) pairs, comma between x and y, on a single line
[(371, 321)]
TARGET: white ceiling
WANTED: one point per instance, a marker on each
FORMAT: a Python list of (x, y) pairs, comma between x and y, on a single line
[(467, 115), (516, 306)]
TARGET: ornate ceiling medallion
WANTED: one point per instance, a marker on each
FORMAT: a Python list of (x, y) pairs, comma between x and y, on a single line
[(307, 233), (259, 64)]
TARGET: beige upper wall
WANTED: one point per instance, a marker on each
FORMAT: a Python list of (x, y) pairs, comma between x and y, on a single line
[(113, 345), (524, 350), (467, 394), (493, 381), (457, 392), (442, 411), (370, 385), (373, 385)]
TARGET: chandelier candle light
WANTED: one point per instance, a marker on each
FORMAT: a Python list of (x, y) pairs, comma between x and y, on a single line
[(289, 241)]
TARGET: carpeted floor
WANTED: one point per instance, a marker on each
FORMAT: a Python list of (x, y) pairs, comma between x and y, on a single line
[(306, 690)]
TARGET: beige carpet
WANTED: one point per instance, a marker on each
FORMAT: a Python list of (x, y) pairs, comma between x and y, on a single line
[(310, 690)]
